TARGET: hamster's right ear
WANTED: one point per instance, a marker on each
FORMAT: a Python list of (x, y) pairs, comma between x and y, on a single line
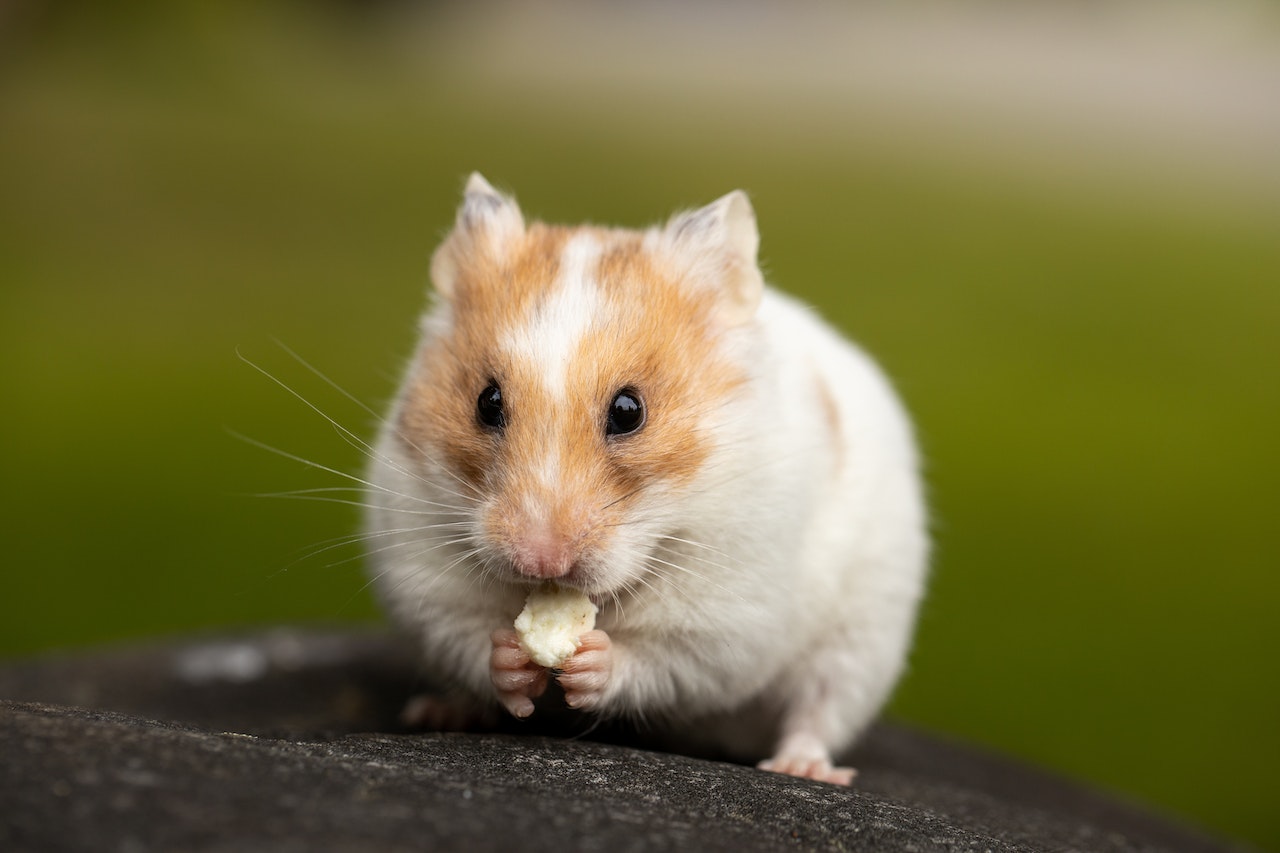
[(488, 223), (718, 243)]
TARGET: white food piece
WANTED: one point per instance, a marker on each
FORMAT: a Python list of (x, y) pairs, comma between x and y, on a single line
[(553, 619)]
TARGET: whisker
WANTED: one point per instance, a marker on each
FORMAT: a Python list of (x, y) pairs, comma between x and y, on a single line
[(391, 463), (409, 576), (652, 558), (717, 551), (443, 507), (312, 406), (360, 504), (367, 449), (629, 494), (463, 559), (321, 375), (329, 470), (356, 538), (437, 545), (708, 563)]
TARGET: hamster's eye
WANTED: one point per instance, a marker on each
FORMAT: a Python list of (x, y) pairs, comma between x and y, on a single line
[(489, 407), (626, 413)]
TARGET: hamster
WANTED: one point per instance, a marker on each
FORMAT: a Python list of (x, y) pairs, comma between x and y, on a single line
[(636, 414)]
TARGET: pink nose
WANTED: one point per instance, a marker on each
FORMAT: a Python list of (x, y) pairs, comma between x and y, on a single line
[(543, 556)]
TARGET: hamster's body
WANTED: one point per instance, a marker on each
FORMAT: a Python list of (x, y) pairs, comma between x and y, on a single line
[(637, 415)]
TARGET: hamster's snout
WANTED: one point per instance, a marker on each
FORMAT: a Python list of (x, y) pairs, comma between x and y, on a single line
[(542, 537), (542, 554)]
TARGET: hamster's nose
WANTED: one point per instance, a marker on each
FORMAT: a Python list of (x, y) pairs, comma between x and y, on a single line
[(543, 555)]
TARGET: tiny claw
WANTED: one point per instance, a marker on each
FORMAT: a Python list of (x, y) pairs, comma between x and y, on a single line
[(585, 676), (516, 680), (802, 754), (517, 705), (818, 770)]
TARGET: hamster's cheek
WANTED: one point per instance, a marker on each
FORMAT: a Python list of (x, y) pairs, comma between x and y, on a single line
[(626, 561)]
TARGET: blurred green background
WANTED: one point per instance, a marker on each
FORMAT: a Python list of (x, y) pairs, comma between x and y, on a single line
[(1060, 233)]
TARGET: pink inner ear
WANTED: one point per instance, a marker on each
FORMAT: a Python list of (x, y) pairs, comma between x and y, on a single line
[(478, 207), (695, 225)]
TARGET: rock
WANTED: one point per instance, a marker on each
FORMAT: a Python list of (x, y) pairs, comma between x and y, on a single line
[(290, 741)]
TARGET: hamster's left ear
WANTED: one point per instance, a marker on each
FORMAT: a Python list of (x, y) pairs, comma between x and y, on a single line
[(487, 223), (720, 242)]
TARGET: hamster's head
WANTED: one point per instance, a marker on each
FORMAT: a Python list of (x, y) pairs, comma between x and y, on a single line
[(574, 383)]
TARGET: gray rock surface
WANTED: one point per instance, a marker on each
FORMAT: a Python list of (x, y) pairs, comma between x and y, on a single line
[(290, 741)]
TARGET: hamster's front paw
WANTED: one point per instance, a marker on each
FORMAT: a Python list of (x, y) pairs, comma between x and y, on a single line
[(585, 676), (517, 680)]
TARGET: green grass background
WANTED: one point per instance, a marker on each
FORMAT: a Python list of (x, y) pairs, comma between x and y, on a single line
[(1093, 368)]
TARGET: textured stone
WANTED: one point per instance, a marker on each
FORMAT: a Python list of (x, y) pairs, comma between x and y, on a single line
[(290, 741)]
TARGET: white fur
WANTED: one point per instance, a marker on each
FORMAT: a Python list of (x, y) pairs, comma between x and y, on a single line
[(807, 604), (802, 553), (556, 326)]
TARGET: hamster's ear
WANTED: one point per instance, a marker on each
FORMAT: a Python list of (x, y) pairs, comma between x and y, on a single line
[(720, 242), (488, 223)]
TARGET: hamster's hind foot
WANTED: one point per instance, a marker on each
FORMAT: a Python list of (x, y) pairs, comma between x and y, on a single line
[(804, 755), (436, 713)]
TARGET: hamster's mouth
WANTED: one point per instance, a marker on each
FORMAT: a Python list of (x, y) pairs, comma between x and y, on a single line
[(574, 579), (588, 572)]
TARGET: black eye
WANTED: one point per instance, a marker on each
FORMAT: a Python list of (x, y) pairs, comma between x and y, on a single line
[(626, 413), (489, 407)]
